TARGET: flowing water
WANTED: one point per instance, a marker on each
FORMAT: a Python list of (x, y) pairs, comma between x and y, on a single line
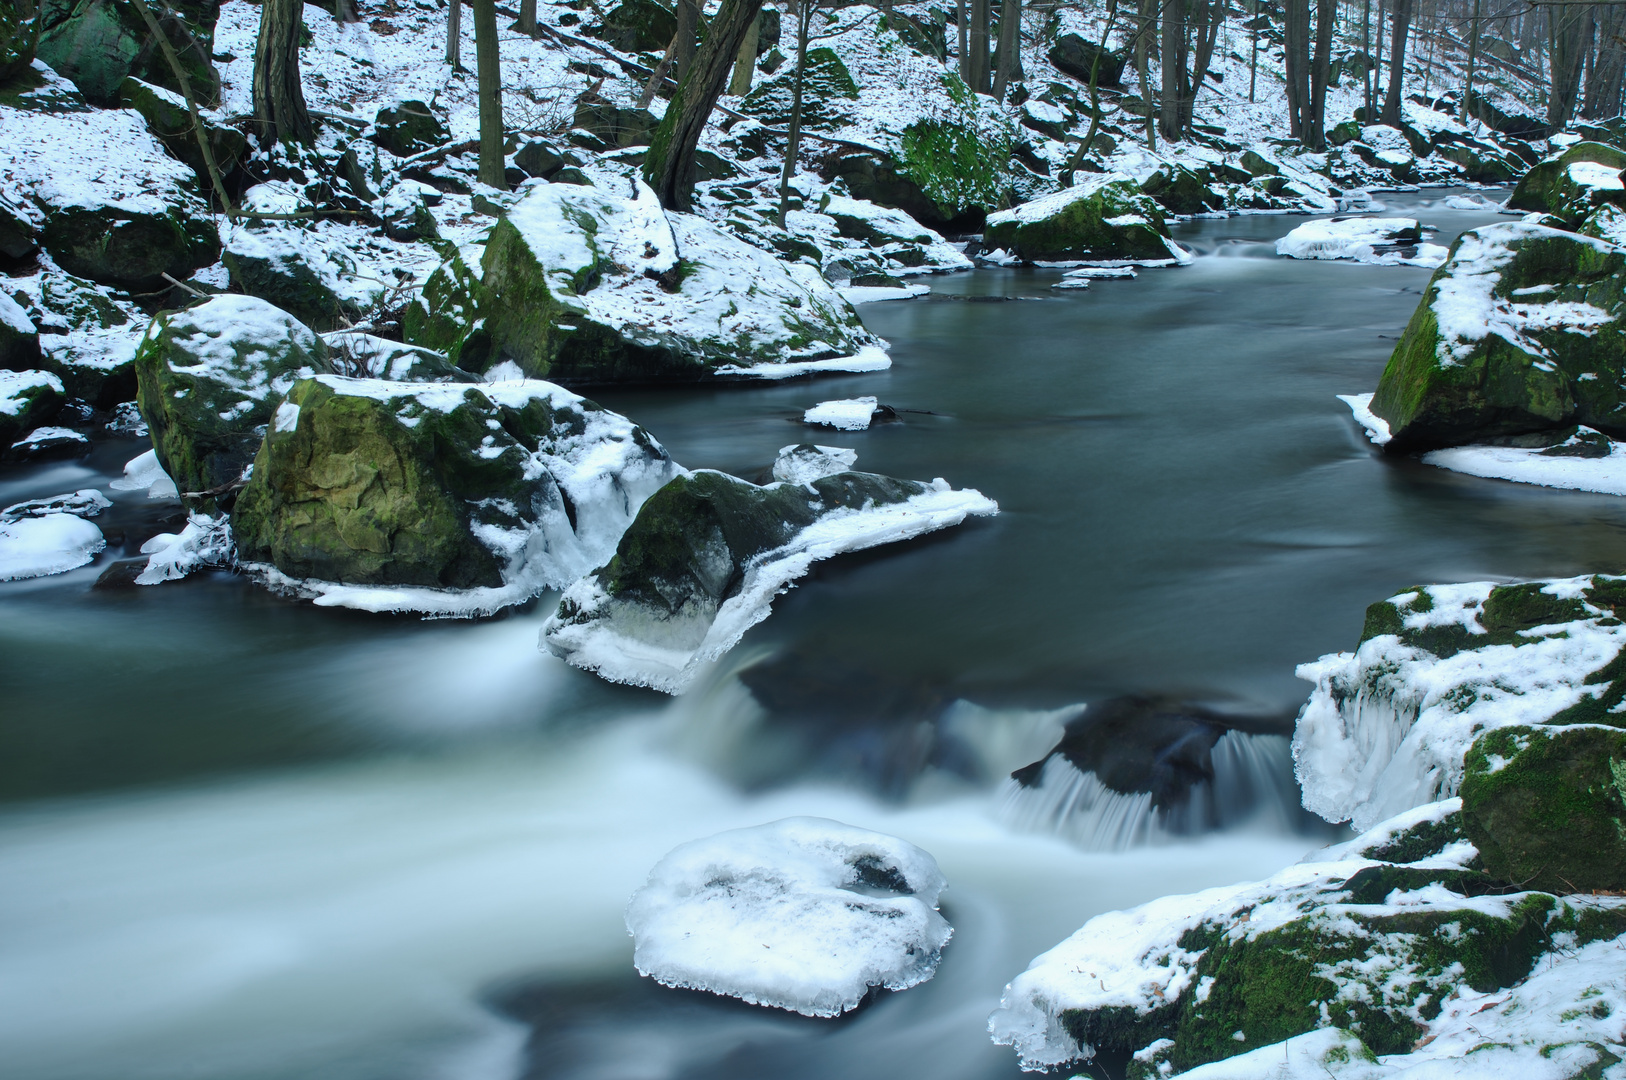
[(244, 838)]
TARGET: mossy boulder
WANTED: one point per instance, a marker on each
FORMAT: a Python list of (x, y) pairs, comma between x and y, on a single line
[(1180, 190), (614, 126), (638, 26), (210, 377), (582, 285), (1570, 184), (1105, 218), (297, 267), (445, 315), (1547, 807), (170, 122), (408, 127), (516, 486), (365, 356), (829, 94), (405, 214), (85, 341), (27, 400), (96, 43), (19, 37), (1517, 332), (1073, 56), (19, 337), (131, 248)]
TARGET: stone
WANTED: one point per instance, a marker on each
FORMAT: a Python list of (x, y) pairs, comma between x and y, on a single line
[(1547, 807), (404, 211), (1572, 184), (1104, 218), (170, 122), (1518, 331), (539, 159), (1181, 190), (638, 26), (407, 128), (293, 265), (27, 400), (17, 41), (129, 248), (85, 338), (615, 127), (97, 43), (1073, 56), (828, 92), (210, 377), (443, 486), (19, 337)]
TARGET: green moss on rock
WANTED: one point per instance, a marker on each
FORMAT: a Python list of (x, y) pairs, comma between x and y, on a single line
[(1106, 219), (1549, 188)]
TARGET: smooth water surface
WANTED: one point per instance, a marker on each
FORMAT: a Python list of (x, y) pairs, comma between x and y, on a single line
[(247, 838)]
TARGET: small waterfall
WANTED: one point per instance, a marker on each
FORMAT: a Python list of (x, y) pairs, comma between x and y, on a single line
[(1252, 787)]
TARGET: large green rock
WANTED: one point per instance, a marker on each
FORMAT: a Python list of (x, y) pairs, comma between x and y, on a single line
[(1072, 55), (19, 337), (1517, 332), (96, 43), (707, 554), (409, 127), (638, 26), (584, 285), (1569, 185), (85, 338), (19, 37), (210, 377), (299, 266), (170, 122), (515, 487), (829, 94), (1547, 807), (129, 248), (1104, 218)]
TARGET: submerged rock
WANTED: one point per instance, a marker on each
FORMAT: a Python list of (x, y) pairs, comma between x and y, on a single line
[(501, 490), (210, 378), (1519, 331), (1104, 219), (707, 554), (803, 914), (582, 285)]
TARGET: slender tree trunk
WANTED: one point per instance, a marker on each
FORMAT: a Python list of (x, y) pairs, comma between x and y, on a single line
[(1296, 46), (1095, 98), (658, 76), (1603, 93), (793, 140), (1143, 44), (669, 165), (527, 18), (1315, 125), (745, 63), (454, 35), (688, 30), (1010, 45), (279, 99), (1253, 54), (488, 70), (344, 11), (1377, 65), (1567, 29), (1210, 18), (1397, 61), (961, 31), (1473, 55), (980, 15)]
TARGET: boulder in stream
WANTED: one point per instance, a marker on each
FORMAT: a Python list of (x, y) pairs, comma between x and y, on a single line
[(443, 498), (707, 554), (1571, 184), (1103, 219), (27, 399)]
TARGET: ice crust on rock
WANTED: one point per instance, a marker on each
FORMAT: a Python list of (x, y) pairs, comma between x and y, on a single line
[(35, 546), (205, 541), (804, 914), (1387, 725), (848, 414), (144, 473), (802, 463), (1375, 426), (1376, 240), (1537, 466)]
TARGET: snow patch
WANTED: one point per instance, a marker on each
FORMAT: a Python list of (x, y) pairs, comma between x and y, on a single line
[(848, 414)]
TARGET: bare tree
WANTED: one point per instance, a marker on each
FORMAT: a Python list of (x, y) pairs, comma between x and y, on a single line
[(961, 30), (1315, 121), (746, 62), (488, 72), (279, 98), (1473, 55), (1008, 53), (1603, 88), (669, 165), (688, 28), (1296, 44), (1569, 26), (977, 63), (454, 35), (1169, 123), (1397, 61), (527, 18), (805, 10), (1146, 26)]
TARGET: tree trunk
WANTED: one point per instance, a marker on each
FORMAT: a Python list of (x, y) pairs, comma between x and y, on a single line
[(488, 70), (669, 165), (981, 13), (1010, 44), (1603, 92), (745, 63), (1397, 61), (688, 30), (1473, 55), (454, 35), (1095, 98), (1253, 55), (1170, 108), (1377, 65), (1210, 17), (344, 11), (1568, 27), (793, 140), (1315, 123), (1296, 46), (961, 30), (1143, 45), (527, 18), (279, 99), (658, 76)]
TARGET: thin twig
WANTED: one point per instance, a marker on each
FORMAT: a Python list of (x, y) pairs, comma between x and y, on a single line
[(182, 285)]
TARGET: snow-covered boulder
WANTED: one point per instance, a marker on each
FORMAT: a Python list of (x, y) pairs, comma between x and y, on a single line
[(1103, 219), (707, 554), (1388, 241), (19, 337), (210, 378), (404, 211), (804, 914), (88, 335), (96, 43), (846, 414), (50, 536), (108, 202), (27, 399), (170, 122), (586, 284), (294, 265), (440, 497), (368, 357), (892, 234), (1519, 331), (1378, 942), (1389, 725), (1570, 184)]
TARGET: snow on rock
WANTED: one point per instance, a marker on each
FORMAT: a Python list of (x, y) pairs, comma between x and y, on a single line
[(803, 463), (847, 414), (50, 536), (449, 499), (205, 541), (1344, 960), (144, 473), (869, 294), (804, 914), (1586, 461), (26, 398), (1103, 220), (1383, 241), (663, 608), (86, 502), (369, 357), (43, 440), (1388, 725), (593, 283), (1376, 427), (88, 332)]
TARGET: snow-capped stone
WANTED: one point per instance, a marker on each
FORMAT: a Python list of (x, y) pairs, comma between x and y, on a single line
[(1572, 183), (707, 554), (804, 914), (36, 546), (144, 473), (803, 463), (49, 441), (444, 498), (1103, 219), (26, 399), (1388, 241), (846, 414), (205, 541), (86, 502), (294, 265)]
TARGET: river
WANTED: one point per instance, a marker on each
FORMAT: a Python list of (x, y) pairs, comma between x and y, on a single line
[(243, 838)]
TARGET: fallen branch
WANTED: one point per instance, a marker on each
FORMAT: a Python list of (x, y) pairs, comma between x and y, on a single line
[(182, 285)]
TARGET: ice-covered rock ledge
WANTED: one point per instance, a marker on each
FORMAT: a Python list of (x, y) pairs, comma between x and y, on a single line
[(708, 553), (1377, 240), (804, 914)]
